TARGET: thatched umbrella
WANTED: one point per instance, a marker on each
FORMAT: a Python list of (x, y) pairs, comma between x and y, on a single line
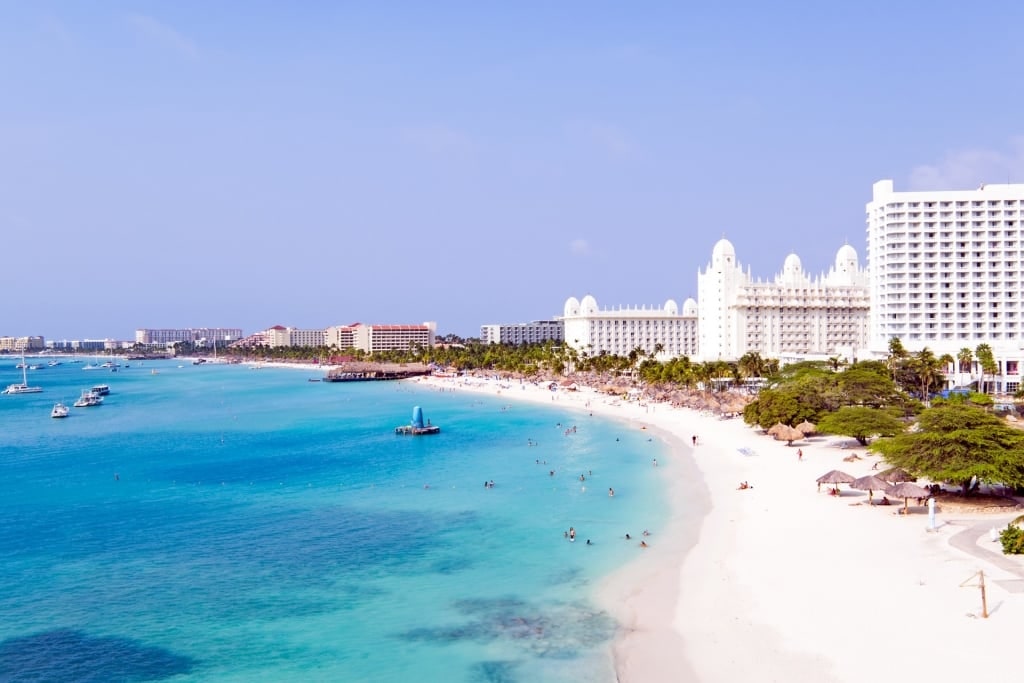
[(895, 475), (869, 483), (774, 429), (789, 434), (835, 477), (907, 490), (807, 427)]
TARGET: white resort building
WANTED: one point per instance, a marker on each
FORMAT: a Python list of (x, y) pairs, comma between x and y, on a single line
[(946, 273), (663, 332), (523, 333), (790, 317)]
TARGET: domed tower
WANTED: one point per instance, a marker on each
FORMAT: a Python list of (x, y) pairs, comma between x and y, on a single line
[(792, 271), (690, 308), (847, 268), (717, 288), (671, 307), (576, 321)]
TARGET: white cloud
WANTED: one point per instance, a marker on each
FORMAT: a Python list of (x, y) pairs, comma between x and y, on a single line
[(579, 247), (162, 34), (969, 168)]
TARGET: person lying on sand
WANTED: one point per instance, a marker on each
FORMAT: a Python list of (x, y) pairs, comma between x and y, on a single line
[(743, 485)]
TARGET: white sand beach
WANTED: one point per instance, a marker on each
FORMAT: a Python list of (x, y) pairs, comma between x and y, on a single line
[(779, 582)]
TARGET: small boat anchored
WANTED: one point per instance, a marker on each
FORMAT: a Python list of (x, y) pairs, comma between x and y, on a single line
[(59, 410), (88, 399), (417, 428)]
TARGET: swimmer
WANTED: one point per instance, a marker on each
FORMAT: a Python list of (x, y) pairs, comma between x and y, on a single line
[(588, 542), (628, 537), (643, 544), (611, 492), (646, 532)]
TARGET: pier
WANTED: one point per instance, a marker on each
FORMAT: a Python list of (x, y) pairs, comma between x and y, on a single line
[(370, 372)]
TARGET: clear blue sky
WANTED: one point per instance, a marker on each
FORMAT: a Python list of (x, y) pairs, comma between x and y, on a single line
[(245, 164)]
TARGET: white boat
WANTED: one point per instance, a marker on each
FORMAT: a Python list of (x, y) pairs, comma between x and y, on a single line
[(59, 410), (101, 390), (54, 363), (88, 399), (22, 388)]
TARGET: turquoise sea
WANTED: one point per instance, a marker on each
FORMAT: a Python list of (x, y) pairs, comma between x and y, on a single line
[(220, 523)]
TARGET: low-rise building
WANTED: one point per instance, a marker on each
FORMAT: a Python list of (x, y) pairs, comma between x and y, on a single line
[(663, 332), (523, 333)]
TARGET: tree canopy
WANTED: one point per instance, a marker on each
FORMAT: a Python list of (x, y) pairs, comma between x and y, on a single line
[(957, 441), (861, 422)]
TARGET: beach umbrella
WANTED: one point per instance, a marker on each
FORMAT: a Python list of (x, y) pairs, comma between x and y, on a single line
[(774, 429), (787, 433), (807, 427), (894, 475), (835, 477), (907, 490), (869, 483)]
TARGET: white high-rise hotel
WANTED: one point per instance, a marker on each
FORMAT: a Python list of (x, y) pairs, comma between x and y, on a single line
[(945, 271)]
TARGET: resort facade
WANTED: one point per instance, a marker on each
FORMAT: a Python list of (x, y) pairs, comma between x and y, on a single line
[(165, 336), (945, 273), (523, 333), (791, 316), (660, 332)]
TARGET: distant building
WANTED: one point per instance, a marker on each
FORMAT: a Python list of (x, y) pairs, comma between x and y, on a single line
[(21, 344), (662, 332), (374, 338), (290, 336), (523, 333), (163, 337), (340, 336), (791, 316)]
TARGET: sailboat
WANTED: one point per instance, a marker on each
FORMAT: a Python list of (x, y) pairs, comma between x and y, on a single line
[(22, 388)]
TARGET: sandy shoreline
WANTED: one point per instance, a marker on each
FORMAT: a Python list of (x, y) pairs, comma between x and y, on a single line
[(782, 583)]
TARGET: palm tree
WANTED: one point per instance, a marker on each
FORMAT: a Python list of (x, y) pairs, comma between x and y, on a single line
[(896, 355), (965, 358), (927, 369), (987, 362)]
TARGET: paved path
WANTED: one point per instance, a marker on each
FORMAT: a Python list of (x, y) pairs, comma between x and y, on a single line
[(967, 541)]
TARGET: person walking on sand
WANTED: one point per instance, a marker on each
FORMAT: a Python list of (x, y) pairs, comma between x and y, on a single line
[(694, 439), (799, 454)]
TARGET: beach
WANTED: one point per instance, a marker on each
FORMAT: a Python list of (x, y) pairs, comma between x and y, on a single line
[(783, 582)]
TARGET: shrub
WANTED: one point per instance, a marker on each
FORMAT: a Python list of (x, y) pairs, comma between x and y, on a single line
[(1012, 538)]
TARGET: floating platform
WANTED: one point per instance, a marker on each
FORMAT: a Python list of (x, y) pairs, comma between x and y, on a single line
[(409, 430), (416, 427)]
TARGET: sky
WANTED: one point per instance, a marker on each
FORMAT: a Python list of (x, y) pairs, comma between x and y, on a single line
[(247, 164)]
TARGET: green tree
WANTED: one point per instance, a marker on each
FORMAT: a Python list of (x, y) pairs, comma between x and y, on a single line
[(867, 385), (957, 441), (861, 423), (965, 358), (896, 355), (988, 364)]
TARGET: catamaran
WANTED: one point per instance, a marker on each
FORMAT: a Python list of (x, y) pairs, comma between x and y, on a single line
[(22, 388)]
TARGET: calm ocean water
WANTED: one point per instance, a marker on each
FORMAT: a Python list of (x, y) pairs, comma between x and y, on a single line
[(217, 523)]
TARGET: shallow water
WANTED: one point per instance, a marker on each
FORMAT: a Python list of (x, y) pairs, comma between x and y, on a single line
[(216, 523)]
